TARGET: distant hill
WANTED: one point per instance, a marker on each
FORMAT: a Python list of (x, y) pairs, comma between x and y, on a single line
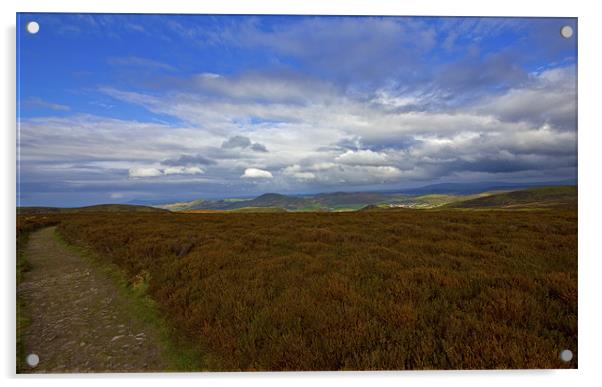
[(274, 200), (95, 208), (534, 197), (180, 206), (432, 196), (269, 200), (337, 201), (352, 201)]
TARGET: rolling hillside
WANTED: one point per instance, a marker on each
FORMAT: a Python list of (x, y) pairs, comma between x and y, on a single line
[(478, 187), (273, 200), (181, 206), (535, 197), (321, 202), (95, 208), (353, 201)]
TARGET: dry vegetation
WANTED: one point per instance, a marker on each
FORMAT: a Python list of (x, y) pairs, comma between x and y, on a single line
[(408, 289)]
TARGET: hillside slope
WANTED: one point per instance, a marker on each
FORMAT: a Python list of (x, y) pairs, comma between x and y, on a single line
[(95, 208), (273, 200), (535, 197)]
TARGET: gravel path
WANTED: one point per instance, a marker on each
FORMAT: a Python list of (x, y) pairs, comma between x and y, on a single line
[(79, 320)]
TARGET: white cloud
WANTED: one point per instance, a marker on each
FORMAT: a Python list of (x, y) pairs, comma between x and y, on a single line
[(387, 99), (322, 166), (275, 89), (361, 174), (141, 172), (304, 175), (183, 171), (255, 173), (88, 137), (330, 173), (144, 172), (204, 76), (362, 157), (296, 172)]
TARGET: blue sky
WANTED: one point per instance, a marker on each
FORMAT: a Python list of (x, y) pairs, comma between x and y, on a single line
[(158, 108)]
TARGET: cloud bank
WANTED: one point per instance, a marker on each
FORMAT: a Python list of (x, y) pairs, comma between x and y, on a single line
[(310, 105)]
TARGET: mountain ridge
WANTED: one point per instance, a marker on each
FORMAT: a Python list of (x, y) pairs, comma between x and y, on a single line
[(436, 196)]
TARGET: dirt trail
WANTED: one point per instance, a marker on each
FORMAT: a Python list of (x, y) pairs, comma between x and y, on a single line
[(79, 320)]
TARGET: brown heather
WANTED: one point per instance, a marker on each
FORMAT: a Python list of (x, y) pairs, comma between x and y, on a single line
[(391, 290)]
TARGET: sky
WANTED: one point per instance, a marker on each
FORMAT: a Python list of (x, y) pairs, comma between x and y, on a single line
[(161, 108)]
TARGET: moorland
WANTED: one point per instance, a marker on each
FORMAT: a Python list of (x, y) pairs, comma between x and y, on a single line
[(484, 281)]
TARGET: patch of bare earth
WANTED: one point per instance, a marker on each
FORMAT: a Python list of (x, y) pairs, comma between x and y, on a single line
[(79, 321)]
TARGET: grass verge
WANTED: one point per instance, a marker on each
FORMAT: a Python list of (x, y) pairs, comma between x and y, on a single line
[(180, 355)]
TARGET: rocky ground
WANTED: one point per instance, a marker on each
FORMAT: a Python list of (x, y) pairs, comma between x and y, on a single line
[(79, 320)]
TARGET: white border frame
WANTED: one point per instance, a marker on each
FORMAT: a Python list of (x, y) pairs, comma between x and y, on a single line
[(589, 84)]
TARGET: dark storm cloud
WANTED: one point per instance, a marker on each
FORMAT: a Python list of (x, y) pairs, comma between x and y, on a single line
[(237, 142), (243, 142), (353, 143), (395, 143), (257, 147), (400, 142), (516, 164)]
